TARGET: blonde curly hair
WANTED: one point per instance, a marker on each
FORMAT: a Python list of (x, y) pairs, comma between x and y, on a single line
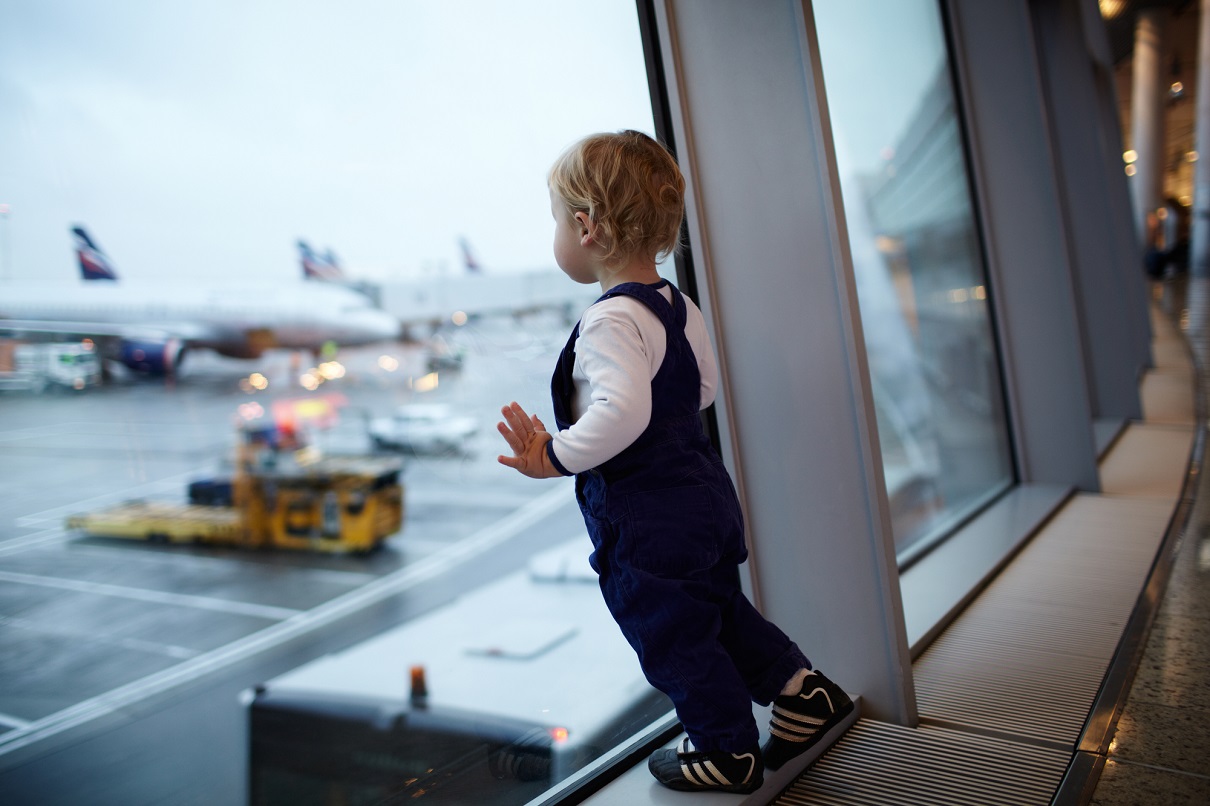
[(630, 187)]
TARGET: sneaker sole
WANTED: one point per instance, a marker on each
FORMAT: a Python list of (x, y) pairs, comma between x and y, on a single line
[(738, 789)]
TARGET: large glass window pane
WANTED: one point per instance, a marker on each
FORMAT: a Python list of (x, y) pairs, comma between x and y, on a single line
[(324, 511), (916, 253)]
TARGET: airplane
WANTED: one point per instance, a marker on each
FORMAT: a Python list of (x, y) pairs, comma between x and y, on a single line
[(429, 302), (149, 327)]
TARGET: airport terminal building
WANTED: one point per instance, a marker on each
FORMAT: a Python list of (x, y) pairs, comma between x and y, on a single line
[(964, 426)]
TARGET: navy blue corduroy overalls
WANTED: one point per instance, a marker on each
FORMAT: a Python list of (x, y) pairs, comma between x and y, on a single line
[(668, 538)]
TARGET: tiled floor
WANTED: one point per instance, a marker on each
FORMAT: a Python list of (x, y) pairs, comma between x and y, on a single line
[(1161, 750)]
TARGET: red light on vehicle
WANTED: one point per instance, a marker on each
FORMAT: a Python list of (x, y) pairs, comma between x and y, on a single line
[(558, 734), (420, 689)]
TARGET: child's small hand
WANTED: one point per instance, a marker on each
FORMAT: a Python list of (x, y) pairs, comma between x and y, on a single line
[(527, 437)]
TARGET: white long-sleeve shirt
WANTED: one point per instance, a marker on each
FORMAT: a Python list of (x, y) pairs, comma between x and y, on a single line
[(618, 352)]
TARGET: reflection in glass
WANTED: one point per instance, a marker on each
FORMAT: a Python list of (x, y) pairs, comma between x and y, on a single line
[(918, 264)]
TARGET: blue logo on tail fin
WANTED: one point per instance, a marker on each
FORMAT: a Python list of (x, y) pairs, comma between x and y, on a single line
[(94, 265), (469, 261), (316, 267)]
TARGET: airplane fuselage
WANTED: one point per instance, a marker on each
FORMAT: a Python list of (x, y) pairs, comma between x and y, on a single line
[(240, 320)]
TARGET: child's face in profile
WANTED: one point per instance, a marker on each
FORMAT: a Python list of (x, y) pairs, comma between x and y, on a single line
[(572, 253)]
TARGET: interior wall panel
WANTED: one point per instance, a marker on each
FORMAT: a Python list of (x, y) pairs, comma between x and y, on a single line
[(1106, 281), (1033, 289)]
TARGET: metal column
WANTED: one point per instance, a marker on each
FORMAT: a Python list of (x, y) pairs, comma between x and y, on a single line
[(1147, 115), (776, 281)]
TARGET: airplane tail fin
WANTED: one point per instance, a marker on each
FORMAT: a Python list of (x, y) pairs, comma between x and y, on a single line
[(94, 265), (319, 267), (469, 261)]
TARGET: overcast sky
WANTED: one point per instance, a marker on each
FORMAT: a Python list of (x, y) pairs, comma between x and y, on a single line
[(201, 139)]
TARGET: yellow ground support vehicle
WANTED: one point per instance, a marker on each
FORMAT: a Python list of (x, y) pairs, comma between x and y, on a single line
[(276, 499)]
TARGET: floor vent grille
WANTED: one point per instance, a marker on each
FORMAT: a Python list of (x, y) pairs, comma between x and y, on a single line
[(1005, 691), (1026, 659), (879, 763)]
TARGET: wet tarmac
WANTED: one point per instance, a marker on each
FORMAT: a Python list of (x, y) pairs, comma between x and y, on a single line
[(122, 662)]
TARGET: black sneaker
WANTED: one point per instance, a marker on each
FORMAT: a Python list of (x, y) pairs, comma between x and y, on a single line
[(692, 770), (799, 720)]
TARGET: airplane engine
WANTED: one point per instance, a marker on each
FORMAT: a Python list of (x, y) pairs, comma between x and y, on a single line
[(152, 357), (253, 344)]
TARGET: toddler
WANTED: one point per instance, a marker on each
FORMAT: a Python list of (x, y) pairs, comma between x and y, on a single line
[(663, 516)]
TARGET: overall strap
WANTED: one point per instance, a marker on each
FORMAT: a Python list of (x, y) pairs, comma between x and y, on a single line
[(675, 425), (671, 314)]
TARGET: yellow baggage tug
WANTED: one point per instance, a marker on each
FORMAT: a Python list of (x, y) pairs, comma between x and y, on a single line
[(280, 496)]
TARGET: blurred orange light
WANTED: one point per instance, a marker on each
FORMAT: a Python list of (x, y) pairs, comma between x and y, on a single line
[(559, 734), (425, 383)]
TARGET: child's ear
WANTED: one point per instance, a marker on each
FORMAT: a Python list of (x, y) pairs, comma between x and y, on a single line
[(588, 228)]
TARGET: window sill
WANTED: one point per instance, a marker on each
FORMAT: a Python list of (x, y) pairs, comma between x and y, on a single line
[(937, 587)]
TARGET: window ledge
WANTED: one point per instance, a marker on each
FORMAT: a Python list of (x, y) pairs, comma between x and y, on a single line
[(941, 584)]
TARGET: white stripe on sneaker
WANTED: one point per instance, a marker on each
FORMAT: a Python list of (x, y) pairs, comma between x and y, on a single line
[(774, 730), (699, 774), (714, 772), (792, 717), (814, 691), (705, 773), (751, 766), (796, 728)]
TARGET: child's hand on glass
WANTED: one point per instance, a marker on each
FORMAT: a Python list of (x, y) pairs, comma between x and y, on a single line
[(527, 437)]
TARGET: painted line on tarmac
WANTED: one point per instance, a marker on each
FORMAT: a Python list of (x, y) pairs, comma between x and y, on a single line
[(13, 722), (153, 596), (482, 541), (54, 535)]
